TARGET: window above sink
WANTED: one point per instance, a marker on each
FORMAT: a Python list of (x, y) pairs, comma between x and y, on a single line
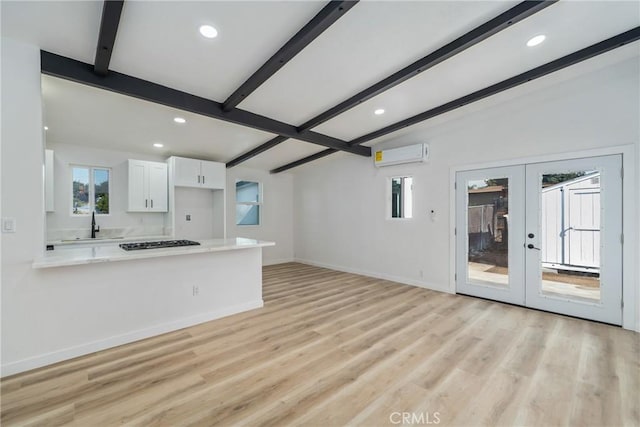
[(90, 189)]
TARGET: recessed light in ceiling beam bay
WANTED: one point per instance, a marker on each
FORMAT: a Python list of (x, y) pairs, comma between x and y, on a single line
[(46, 128), (179, 120), (208, 31), (536, 40), (158, 145), (379, 111)]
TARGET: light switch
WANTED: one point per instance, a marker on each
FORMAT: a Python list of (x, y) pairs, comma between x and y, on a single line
[(8, 225), (188, 217)]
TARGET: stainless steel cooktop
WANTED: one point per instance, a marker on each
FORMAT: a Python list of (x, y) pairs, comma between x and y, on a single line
[(158, 244)]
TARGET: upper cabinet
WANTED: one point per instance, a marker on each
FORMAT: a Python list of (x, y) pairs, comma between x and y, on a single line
[(198, 173), (147, 186)]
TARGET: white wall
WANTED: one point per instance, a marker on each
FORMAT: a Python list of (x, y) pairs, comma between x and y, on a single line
[(340, 200), (134, 223), (276, 212), (22, 172)]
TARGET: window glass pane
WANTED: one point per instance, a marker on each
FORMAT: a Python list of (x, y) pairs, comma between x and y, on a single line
[(101, 190), (401, 197), (407, 185), (396, 198), (247, 214), (80, 189), (247, 191)]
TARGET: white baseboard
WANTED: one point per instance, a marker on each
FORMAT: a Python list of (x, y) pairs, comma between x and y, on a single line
[(378, 275), (129, 337), (277, 261)]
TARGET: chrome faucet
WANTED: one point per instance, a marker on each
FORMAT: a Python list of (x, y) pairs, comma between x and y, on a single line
[(94, 228)]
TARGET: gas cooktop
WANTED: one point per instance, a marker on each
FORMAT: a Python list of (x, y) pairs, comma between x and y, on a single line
[(157, 245)]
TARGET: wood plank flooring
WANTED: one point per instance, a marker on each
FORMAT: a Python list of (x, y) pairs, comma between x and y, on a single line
[(332, 348)]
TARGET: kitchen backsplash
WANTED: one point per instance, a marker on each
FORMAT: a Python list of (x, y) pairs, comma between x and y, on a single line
[(106, 233)]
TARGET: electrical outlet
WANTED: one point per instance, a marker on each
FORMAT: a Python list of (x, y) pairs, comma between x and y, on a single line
[(196, 290), (188, 217), (8, 225)]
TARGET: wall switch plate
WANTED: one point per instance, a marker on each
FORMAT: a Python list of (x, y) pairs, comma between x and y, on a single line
[(188, 217), (8, 225)]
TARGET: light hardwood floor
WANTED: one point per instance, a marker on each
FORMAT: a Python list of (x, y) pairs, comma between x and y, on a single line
[(333, 348)]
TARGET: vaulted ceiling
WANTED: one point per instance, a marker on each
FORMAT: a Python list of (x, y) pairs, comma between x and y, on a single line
[(330, 58)]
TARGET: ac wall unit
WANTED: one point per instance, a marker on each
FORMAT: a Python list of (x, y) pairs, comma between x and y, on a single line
[(396, 156)]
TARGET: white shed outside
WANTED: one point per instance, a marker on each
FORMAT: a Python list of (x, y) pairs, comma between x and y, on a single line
[(571, 224)]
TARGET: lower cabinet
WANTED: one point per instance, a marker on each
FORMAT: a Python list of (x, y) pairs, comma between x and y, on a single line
[(148, 187)]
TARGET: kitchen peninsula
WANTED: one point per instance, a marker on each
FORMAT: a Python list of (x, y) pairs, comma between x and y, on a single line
[(125, 296)]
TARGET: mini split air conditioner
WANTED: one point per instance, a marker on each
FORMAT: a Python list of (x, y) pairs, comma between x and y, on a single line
[(396, 156)]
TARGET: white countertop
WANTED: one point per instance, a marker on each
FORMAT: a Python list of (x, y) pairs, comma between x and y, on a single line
[(104, 240), (109, 252)]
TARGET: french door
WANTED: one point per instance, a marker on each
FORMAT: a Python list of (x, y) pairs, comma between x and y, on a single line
[(543, 235)]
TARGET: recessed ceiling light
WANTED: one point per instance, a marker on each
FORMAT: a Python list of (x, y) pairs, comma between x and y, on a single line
[(208, 31), (158, 145), (179, 120), (379, 111), (536, 40), (46, 128)]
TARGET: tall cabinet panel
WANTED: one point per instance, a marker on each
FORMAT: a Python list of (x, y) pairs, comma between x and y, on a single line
[(137, 191), (48, 180), (158, 187)]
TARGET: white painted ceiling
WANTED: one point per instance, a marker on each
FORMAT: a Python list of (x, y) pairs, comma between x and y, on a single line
[(159, 41)]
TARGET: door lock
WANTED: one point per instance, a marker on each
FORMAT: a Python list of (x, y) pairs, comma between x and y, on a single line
[(530, 235)]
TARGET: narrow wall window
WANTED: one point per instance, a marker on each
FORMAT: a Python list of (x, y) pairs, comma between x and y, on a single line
[(90, 190), (248, 201), (401, 203)]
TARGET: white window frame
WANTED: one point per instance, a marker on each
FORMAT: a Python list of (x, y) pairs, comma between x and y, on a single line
[(389, 202), (91, 189), (259, 203)]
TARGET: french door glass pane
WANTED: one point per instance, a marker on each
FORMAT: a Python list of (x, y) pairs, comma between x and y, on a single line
[(570, 240), (488, 231)]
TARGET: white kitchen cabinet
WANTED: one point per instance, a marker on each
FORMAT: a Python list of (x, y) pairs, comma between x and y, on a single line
[(48, 180), (186, 172), (198, 173), (147, 186)]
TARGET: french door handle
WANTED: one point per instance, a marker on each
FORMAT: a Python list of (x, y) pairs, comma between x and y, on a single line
[(530, 246)]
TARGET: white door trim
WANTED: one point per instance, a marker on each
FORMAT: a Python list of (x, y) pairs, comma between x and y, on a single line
[(630, 211)]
